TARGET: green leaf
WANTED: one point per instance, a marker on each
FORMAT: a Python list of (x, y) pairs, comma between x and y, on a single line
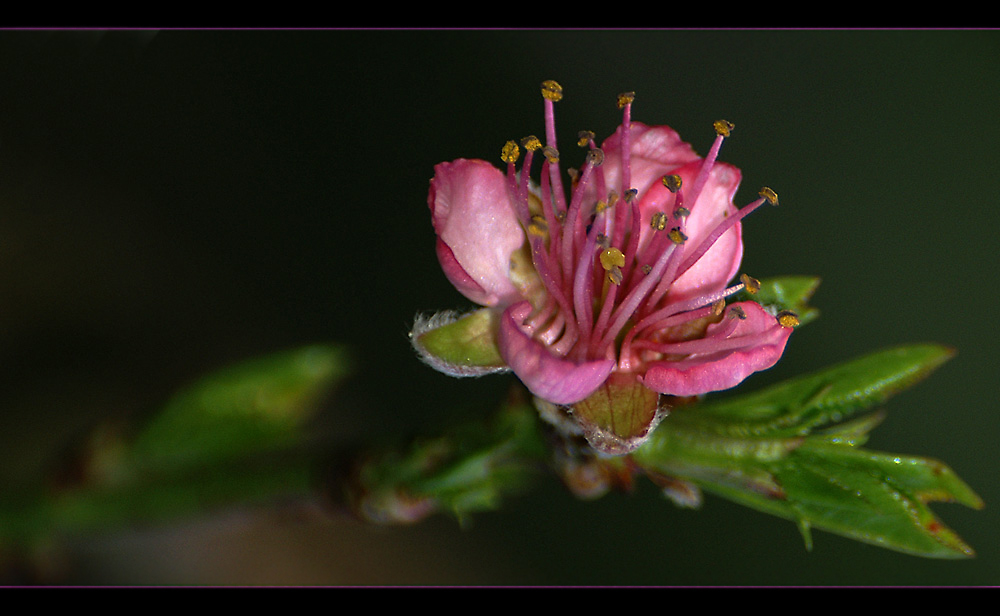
[(466, 470), (793, 450), (875, 497), (801, 405)]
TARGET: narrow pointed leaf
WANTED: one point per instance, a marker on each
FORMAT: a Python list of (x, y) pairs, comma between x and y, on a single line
[(875, 497), (794, 450), (832, 395)]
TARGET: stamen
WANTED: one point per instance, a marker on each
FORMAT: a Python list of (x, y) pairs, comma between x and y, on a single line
[(510, 153), (566, 233), (770, 195), (726, 224), (531, 143), (574, 227), (625, 355), (751, 284), (635, 297), (787, 318), (723, 127), (583, 283), (721, 341), (551, 90), (615, 275), (625, 104), (676, 237), (582, 290), (539, 227), (551, 278), (518, 190), (672, 182), (655, 318)]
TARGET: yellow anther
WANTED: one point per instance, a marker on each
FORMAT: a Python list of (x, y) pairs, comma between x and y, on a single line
[(625, 98), (615, 275), (538, 227), (676, 236), (600, 206), (718, 307), (551, 154), (672, 182), (659, 221), (770, 195), (722, 127), (612, 257), (752, 285), (510, 152), (584, 138), (681, 212), (631, 194), (737, 312), (531, 142), (787, 318), (595, 156), (552, 90)]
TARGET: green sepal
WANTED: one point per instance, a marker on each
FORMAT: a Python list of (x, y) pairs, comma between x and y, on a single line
[(786, 293), (466, 470), (793, 450), (459, 345)]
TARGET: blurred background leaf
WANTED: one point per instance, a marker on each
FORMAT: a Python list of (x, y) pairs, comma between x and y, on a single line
[(234, 438)]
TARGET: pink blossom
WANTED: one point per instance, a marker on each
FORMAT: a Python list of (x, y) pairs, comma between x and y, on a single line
[(626, 274)]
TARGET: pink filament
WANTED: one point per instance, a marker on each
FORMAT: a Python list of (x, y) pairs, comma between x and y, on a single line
[(571, 277)]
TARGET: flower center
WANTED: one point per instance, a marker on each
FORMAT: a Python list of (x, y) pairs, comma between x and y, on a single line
[(606, 283)]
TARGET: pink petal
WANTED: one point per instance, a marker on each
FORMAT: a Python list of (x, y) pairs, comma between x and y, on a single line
[(699, 374), (477, 229), (655, 152), (548, 376)]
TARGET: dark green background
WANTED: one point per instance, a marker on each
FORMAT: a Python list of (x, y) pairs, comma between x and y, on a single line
[(172, 201)]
